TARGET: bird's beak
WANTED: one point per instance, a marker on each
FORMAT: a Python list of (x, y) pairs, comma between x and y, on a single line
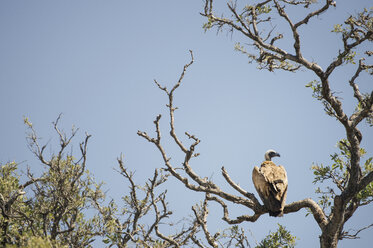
[(276, 155)]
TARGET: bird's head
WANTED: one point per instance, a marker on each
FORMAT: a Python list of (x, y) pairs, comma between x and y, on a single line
[(270, 154)]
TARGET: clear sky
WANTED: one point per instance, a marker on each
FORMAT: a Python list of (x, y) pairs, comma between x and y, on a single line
[(95, 61)]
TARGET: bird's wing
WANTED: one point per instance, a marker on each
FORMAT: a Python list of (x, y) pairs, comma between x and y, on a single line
[(281, 177), (283, 187), (260, 183), (278, 180)]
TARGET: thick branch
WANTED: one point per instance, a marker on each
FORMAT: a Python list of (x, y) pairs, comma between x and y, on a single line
[(316, 210), (365, 181)]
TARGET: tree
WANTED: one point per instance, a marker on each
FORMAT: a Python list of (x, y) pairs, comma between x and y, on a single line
[(49, 210), (52, 210), (352, 178), (281, 238)]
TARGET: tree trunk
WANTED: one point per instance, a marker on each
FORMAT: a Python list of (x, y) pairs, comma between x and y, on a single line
[(328, 240)]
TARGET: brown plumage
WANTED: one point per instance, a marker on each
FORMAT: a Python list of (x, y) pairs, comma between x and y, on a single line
[(271, 183)]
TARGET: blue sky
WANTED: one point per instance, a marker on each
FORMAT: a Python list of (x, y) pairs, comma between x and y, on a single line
[(95, 61)]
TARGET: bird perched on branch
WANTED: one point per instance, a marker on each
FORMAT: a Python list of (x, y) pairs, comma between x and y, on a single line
[(271, 183)]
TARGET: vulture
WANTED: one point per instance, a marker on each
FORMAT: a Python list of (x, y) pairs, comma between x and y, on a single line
[(271, 183)]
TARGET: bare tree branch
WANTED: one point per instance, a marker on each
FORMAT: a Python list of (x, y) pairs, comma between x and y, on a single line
[(347, 235), (213, 192), (202, 220), (239, 219), (315, 13), (249, 23)]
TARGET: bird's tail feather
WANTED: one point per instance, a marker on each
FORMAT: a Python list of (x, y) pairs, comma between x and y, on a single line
[(276, 214)]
